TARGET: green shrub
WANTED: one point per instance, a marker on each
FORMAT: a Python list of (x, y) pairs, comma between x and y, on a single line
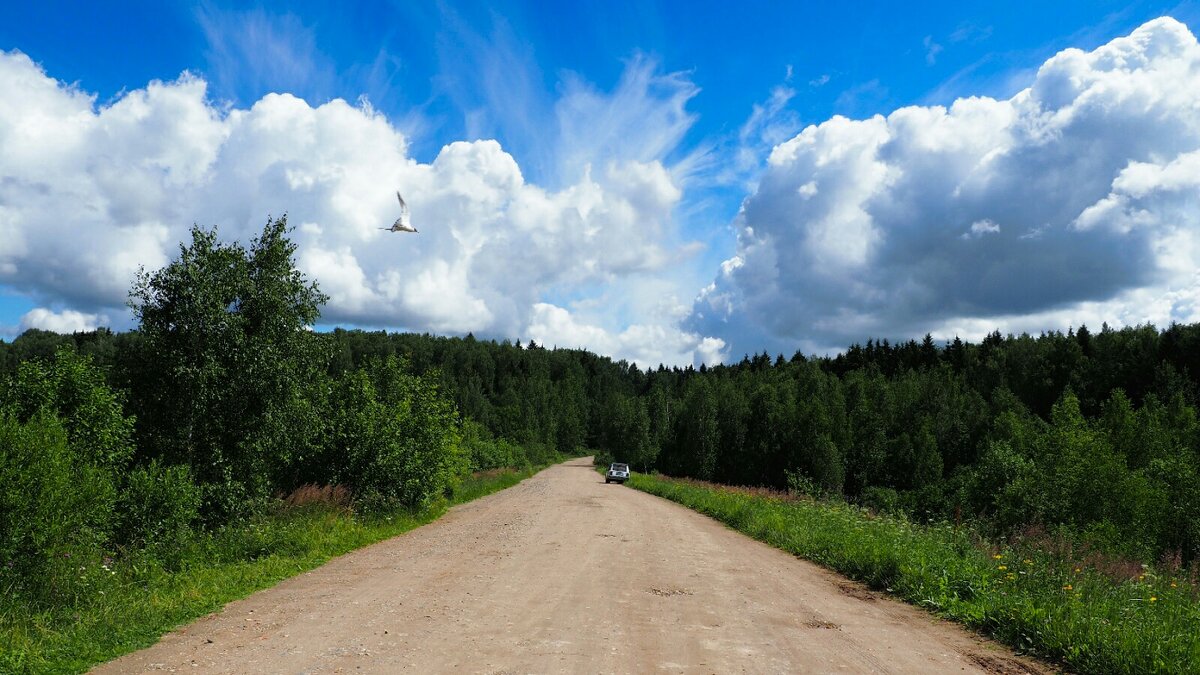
[(485, 452), (158, 506), (513, 454), (395, 436), (55, 510), (74, 389), (881, 499), (537, 453), (800, 484)]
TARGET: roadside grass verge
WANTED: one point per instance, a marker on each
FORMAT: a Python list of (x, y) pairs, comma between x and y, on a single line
[(1040, 602), (134, 600)]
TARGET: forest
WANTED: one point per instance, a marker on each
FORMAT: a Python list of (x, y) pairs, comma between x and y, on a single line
[(222, 400)]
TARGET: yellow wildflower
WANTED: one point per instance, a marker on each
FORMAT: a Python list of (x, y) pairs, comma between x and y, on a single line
[(997, 556), (1002, 567), (1153, 599), (1068, 587)]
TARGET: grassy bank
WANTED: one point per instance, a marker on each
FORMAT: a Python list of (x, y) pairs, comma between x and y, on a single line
[(1091, 616), (134, 600)]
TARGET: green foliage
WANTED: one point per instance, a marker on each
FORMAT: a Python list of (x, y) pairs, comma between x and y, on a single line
[(974, 433), (225, 358), (64, 442), (825, 464), (55, 509), (485, 451), (1000, 485), (881, 499), (541, 454), (699, 442), (157, 507), (627, 432), (1178, 524), (395, 436), (527, 396), (800, 484), (34, 344), (72, 388)]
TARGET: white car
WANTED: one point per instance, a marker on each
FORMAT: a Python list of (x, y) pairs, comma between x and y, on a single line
[(617, 472)]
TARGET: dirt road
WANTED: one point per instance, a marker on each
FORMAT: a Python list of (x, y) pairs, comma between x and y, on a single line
[(563, 573)]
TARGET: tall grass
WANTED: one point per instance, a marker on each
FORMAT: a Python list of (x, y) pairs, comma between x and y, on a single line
[(133, 600), (1038, 601)]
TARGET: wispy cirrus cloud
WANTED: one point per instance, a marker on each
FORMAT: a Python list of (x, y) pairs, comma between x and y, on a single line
[(560, 124), (932, 49), (255, 51)]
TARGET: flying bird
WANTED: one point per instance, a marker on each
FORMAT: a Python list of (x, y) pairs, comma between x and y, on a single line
[(401, 224)]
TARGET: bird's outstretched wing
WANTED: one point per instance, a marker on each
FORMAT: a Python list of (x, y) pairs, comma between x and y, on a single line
[(403, 206)]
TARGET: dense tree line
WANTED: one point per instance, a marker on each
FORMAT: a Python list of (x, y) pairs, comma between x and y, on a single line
[(506, 394), (1093, 435), (221, 398)]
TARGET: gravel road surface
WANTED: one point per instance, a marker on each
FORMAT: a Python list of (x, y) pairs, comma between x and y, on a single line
[(563, 573)]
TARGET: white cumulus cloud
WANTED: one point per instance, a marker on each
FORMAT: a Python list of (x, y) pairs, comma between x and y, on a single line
[(66, 321), (646, 345), (1074, 200), (89, 193)]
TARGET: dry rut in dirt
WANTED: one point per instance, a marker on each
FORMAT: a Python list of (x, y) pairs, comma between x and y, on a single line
[(563, 573)]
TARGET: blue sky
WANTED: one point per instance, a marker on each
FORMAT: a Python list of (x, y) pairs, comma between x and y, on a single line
[(517, 72), (401, 55)]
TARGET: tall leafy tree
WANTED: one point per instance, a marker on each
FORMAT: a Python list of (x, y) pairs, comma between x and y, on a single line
[(700, 434), (225, 357)]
